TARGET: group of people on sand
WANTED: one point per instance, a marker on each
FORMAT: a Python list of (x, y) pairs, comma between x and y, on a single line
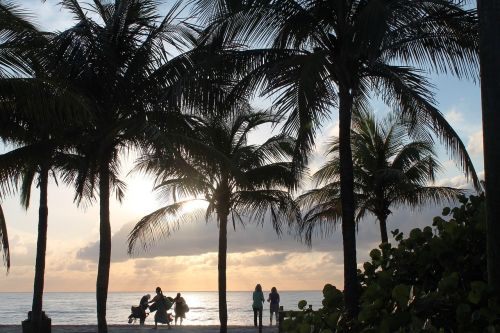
[(161, 304), (258, 305)]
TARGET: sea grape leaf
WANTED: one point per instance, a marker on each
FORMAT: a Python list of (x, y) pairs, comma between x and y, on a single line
[(302, 304), (401, 294)]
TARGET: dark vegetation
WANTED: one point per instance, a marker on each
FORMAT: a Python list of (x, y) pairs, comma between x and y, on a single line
[(433, 280)]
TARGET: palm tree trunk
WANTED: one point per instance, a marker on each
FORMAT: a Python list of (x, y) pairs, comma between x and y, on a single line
[(382, 220), (351, 288), (104, 248), (489, 45), (41, 249), (222, 271)]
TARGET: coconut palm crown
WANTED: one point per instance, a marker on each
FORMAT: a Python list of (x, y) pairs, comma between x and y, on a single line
[(390, 171), (235, 177)]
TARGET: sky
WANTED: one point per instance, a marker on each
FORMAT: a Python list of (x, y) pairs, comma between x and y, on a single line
[(187, 260)]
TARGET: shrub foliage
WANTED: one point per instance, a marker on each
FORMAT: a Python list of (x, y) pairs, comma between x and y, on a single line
[(434, 280)]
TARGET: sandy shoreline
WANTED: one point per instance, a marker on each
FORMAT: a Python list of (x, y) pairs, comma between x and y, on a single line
[(146, 328)]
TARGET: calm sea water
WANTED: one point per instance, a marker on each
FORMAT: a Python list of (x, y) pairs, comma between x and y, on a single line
[(79, 308)]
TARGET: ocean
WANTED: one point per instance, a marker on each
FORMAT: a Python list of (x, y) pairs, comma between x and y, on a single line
[(79, 308)]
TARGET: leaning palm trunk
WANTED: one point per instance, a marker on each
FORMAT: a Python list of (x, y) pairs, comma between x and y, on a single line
[(104, 248), (489, 18), (351, 285), (41, 248)]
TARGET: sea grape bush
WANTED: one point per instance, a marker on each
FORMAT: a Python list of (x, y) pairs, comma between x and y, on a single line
[(434, 280)]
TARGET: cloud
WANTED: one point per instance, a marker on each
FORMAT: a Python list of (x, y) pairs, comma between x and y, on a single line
[(22, 250), (333, 130), (459, 181), (456, 181), (475, 144), (267, 248), (199, 238), (454, 117), (258, 258)]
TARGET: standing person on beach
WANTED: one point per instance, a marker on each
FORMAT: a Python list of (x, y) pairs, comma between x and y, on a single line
[(161, 305), (180, 308), (258, 304), (274, 299)]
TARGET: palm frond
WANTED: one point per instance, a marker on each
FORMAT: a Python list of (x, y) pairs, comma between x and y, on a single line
[(159, 224), (104, 10), (74, 7), (258, 204), (275, 175), (321, 220), (18, 34), (327, 193), (305, 97), (439, 35), (404, 90), (430, 195)]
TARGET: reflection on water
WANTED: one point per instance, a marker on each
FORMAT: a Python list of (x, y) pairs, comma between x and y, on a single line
[(79, 308)]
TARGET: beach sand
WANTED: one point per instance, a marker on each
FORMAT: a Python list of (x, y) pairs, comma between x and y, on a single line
[(141, 329)]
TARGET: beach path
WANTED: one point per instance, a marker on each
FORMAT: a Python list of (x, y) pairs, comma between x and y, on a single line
[(141, 329)]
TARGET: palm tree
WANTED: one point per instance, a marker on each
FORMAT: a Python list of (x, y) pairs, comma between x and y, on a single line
[(24, 164), (33, 113), (489, 18), (235, 178), (40, 123), (324, 54), (122, 63), (390, 171)]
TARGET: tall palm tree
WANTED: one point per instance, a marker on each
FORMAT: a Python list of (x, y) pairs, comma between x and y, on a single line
[(235, 177), (33, 114), (324, 54), (390, 171), (39, 122), (122, 62), (489, 18), (30, 161)]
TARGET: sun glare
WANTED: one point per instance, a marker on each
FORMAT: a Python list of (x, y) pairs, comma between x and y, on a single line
[(194, 205)]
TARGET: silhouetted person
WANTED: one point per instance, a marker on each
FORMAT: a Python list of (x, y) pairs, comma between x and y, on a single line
[(258, 305), (180, 308), (161, 306), (274, 307)]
